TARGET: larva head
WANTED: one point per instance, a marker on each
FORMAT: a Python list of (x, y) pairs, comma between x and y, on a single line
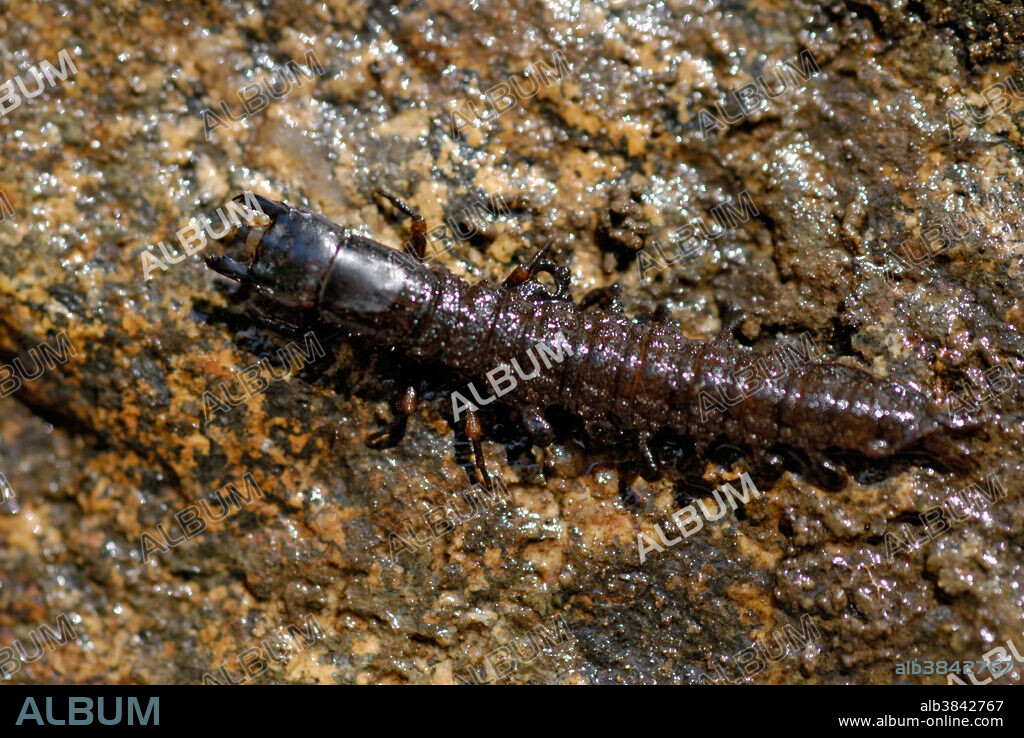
[(300, 262), (283, 252)]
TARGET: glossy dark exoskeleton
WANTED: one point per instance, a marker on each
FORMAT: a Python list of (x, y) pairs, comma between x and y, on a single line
[(310, 267), (628, 377)]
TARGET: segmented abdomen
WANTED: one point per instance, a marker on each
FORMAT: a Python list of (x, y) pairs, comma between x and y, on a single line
[(648, 376)]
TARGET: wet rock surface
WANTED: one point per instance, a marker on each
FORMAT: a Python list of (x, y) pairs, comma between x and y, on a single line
[(884, 164)]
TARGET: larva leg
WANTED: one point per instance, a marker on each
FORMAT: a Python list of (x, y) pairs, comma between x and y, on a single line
[(417, 246), (606, 298), (525, 272), (473, 433), (829, 474), (403, 408), (292, 330), (522, 273), (660, 315), (537, 427), (648, 464), (767, 463), (627, 476), (418, 230), (732, 317)]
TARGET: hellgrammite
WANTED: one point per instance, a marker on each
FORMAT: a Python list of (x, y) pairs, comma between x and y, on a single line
[(637, 380)]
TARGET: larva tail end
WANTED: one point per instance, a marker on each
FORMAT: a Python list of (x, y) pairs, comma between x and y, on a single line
[(947, 445)]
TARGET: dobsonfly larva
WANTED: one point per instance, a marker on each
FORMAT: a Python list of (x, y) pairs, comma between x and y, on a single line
[(635, 377)]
